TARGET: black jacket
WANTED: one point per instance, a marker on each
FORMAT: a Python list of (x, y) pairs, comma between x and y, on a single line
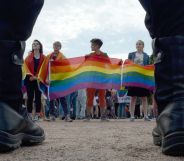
[(164, 17), (17, 18)]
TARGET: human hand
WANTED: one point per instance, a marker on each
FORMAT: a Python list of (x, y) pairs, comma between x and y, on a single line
[(120, 62)]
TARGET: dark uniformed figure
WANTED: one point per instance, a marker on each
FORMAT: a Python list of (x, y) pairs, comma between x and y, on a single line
[(165, 22), (17, 19)]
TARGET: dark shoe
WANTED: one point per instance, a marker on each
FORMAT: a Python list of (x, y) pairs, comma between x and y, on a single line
[(17, 129), (170, 127)]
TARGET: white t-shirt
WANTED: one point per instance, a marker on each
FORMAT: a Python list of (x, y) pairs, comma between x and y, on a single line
[(138, 58), (95, 101)]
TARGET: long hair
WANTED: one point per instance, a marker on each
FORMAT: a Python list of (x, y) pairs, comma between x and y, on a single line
[(41, 46)]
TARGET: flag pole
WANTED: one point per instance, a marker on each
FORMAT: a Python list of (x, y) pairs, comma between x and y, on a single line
[(49, 80)]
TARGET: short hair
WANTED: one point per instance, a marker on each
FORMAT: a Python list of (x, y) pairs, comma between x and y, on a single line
[(142, 42), (58, 42), (41, 46), (96, 41)]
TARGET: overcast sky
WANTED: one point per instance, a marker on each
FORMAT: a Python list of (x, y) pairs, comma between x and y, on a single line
[(119, 23)]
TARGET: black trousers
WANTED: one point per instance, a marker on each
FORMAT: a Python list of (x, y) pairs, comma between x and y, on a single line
[(17, 19), (33, 92)]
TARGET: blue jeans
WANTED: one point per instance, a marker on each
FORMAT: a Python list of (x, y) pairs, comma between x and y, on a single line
[(121, 110), (81, 107), (72, 102), (63, 103)]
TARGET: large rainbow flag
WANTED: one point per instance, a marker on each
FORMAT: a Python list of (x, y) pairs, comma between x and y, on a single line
[(69, 75), (135, 75)]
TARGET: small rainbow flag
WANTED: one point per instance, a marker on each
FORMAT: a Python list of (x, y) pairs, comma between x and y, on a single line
[(135, 75), (69, 75)]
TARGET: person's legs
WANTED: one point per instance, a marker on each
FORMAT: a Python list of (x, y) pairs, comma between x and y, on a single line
[(78, 108), (123, 110), (16, 127), (120, 110), (30, 96), (63, 102), (169, 77), (102, 103), (73, 97), (37, 99), (116, 105), (145, 108), (90, 92), (132, 107), (83, 107)]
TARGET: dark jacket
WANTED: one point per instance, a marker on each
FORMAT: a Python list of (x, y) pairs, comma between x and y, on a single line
[(17, 18), (131, 56), (164, 17)]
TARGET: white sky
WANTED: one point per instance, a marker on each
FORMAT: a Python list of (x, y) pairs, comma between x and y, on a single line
[(119, 23)]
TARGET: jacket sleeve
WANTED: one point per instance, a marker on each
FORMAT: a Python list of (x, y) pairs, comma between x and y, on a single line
[(130, 56)]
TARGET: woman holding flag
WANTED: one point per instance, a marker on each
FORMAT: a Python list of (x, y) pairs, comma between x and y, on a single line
[(141, 58), (56, 55), (33, 63)]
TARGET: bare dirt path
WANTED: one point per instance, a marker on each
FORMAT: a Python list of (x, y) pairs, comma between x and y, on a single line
[(117, 140)]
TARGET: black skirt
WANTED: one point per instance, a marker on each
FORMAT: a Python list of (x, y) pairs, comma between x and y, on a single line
[(138, 92)]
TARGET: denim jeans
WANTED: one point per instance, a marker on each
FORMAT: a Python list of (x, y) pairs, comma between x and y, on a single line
[(121, 110), (81, 107)]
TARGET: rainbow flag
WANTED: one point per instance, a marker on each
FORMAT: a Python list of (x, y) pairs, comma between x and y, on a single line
[(69, 75), (122, 92), (135, 75)]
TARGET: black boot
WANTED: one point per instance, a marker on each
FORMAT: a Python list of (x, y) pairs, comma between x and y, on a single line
[(169, 77), (16, 127)]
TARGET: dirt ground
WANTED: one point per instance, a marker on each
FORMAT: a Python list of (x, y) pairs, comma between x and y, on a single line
[(117, 140)]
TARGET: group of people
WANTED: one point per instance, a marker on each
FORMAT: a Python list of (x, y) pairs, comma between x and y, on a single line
[(165, 22), (103, 100)]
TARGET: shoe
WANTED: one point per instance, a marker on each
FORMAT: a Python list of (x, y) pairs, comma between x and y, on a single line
[(31, 116), (47, 119), (68, 119), (132, 119), (104, 119), (87, 118), (36, 117), (52, 118), (17, 129), (169, 133), (103, 115), (147, 119)]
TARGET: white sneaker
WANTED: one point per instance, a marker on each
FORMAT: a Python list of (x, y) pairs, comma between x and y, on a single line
[(147, 119), (31, 116), (132, 119), (36, 117)]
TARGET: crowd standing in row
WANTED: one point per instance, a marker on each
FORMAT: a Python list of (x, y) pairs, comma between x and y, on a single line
[(85, 103)]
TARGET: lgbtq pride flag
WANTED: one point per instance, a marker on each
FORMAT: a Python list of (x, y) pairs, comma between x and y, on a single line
[(135, 75), (69, 75)]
